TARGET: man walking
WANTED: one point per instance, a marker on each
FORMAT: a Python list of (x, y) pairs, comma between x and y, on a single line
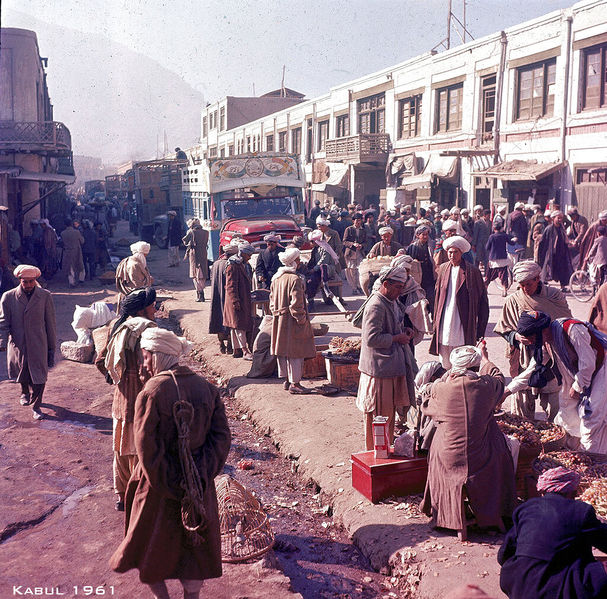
[(196, 241), (28, 333), (355, 238), (72, 263), (420, 251), (174, 238)]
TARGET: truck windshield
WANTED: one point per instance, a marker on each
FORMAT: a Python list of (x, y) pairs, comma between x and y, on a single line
[(243, 208)]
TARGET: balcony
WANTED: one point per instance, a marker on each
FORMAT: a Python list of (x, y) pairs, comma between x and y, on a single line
[(38, 136), (367, 147)]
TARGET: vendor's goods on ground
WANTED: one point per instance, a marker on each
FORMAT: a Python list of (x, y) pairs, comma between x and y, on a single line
[(536, 433), (341, 346)]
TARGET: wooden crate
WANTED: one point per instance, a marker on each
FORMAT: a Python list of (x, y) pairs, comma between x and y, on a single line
[(314, 368), (345, 376), (377, 479)]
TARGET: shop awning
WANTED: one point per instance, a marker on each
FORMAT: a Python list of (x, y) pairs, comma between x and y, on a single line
[(45, 177), (338, 172), (521, 170), (444, 168)]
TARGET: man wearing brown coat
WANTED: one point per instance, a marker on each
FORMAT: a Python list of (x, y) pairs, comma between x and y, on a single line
[(237, 309), (196, 240), (292, 336), (461, 306), (28, 332)]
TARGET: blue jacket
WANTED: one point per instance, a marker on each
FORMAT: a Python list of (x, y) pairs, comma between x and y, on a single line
[(496, 245)]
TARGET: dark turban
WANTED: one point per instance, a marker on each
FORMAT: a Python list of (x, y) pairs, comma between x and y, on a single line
[(134, 302), (532, 323)]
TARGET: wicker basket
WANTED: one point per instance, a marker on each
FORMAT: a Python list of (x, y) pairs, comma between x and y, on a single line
[(557, 444), (245, 530)]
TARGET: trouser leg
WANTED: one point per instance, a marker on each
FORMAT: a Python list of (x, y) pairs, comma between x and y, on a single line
[(159, 590), (312, 284), (550, 404), (123, 468), (352, 278), (239, 339), (283, 370), (37, 391), (368, 428), (295, 370)]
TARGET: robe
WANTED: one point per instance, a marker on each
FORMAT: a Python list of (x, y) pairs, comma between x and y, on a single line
[(554, 256), (132, 273), (218, 285), (237, 306), (72, 251), (196, 241), (598, 309)]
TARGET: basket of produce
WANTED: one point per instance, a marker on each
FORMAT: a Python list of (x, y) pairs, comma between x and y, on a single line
[(552, 436), (373, 265), (583, 463), (596, 495), (343, 350)]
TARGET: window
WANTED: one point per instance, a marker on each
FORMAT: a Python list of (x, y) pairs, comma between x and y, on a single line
[(594, 77), (591, 175), (372, 114), (310, 135), (222, 153), (230, 150), (410, 115), (535, 90), (222, 118), (323, 134), (342, 125), (282, 141), (214, 119), (269, 143), (488, 107), (213, 152), (204, 126), (248, 143), (449, 108), (296, 140)]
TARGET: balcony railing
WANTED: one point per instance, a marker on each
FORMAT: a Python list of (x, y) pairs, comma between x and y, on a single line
[(35, 136), (366, 147)]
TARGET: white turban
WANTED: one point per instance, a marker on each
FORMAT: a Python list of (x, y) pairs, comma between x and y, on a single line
[(140, 247), (155, 339), (501, 209), (394, 273), (27, 271), (525, 270), (449, 225), (411, 221), (315, 235), (402, 261), (289, 256), (322, 221), (463, 358), (454, 210), (603, 215), (385, 230), (519, 206), (45, 221), (172, 213), (458, 242), (426, 372), (445, 212), (478, 207)]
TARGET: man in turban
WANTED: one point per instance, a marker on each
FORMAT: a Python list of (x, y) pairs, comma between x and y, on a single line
[(72, 263), (333, 239), (28, 333), (196, 241), (355, 239), (237, 306), (121, 363), (553, 252), (387, 246), (480, 235), (461, 306), (386, 364), (469, 457), (420, 251), (292, 337), (268, 261), (132, 272), (182, 440), (531, 295), (548, 550), (174, 235)]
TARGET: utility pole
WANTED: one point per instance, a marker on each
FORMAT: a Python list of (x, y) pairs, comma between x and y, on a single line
[(449, 26), (283, 93), (464, 16)]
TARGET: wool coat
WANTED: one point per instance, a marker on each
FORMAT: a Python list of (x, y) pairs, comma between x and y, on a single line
[(382, 249), (292, 335), (132, 273), (469, 452), (554, 256), (155, 542), (353, 235), (218, 286), (28, 332), (237, 310), (472, 303), (334, 240), (196, 241)]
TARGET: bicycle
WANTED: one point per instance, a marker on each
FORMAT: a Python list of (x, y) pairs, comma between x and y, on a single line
[(584, 284)]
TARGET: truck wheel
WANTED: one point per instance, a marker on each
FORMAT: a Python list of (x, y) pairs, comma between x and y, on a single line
[(159, 239)]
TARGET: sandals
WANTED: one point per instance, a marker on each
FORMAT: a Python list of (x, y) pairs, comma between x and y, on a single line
[(297, 390), (286, 385)]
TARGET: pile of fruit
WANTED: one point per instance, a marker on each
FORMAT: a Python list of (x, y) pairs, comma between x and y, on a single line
[(528, 432), (596, 495), (345, 347), (579, 461)]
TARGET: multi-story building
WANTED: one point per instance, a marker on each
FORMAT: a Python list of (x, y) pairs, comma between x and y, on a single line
[(518, 114), (35, 151)]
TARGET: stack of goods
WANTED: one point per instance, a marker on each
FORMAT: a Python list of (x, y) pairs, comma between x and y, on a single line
[(533, 433), (338, 346)]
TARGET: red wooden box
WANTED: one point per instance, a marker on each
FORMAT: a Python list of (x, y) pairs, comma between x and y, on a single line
[(377, 479)]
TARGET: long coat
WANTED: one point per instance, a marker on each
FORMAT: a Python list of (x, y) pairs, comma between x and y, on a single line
[(554, 256), (292, 335), (72, 250), (218, 287), (155, 541), (468, 452), (237, 313), (196, 241), (28, 331), (472, 302), (132, 273)]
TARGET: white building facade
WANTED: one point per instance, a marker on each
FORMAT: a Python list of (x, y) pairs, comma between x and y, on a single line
[(518, 114)]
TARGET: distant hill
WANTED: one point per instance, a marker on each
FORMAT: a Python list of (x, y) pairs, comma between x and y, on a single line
[(117, 103)]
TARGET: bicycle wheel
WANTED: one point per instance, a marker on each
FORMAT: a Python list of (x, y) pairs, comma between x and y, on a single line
[(581, 286)]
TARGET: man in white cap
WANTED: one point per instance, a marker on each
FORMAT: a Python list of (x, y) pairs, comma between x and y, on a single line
[(387, 246), (196, 241), (355, 239), (182, 439), (449, 229), (461, 306), (531, 295), (292, 336), (333, 239), (469, 457), (132, 272), (386, 364), (268, 261), (578, 225), (174, 235), (28, 334), (500, 215), (481, 231), (591, 234), (237, 307)]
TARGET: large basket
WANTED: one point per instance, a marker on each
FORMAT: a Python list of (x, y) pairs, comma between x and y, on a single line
[(245, 530), (373, 265)]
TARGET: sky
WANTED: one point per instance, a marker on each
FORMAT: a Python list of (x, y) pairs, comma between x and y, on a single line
[(225, 47)]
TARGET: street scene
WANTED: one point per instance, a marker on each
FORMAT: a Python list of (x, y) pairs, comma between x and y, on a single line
[(343, 342)]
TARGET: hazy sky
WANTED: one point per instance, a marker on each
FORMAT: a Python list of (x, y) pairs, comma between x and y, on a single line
[(223, 47)]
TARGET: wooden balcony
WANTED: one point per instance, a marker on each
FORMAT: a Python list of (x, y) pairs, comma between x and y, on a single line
[(366, 147), (38, 136)]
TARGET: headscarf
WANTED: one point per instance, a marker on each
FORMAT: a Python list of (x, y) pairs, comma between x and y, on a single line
[(411, 222), (166, 347), (525, 270), (134, 302), (427, 371), (246, 248), (532, 323), (603, 215), (458, 242), (322, 221), (402, 261), (27, 271), (140, 247), (384, 230), (271, 237), (445, 212), (454, 210), (289, 256), (394, 273), (230, 249), (421, 229), (193, 222), (449, 225), (464, 358), (317, 237), (558, 480), (477, 208)]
